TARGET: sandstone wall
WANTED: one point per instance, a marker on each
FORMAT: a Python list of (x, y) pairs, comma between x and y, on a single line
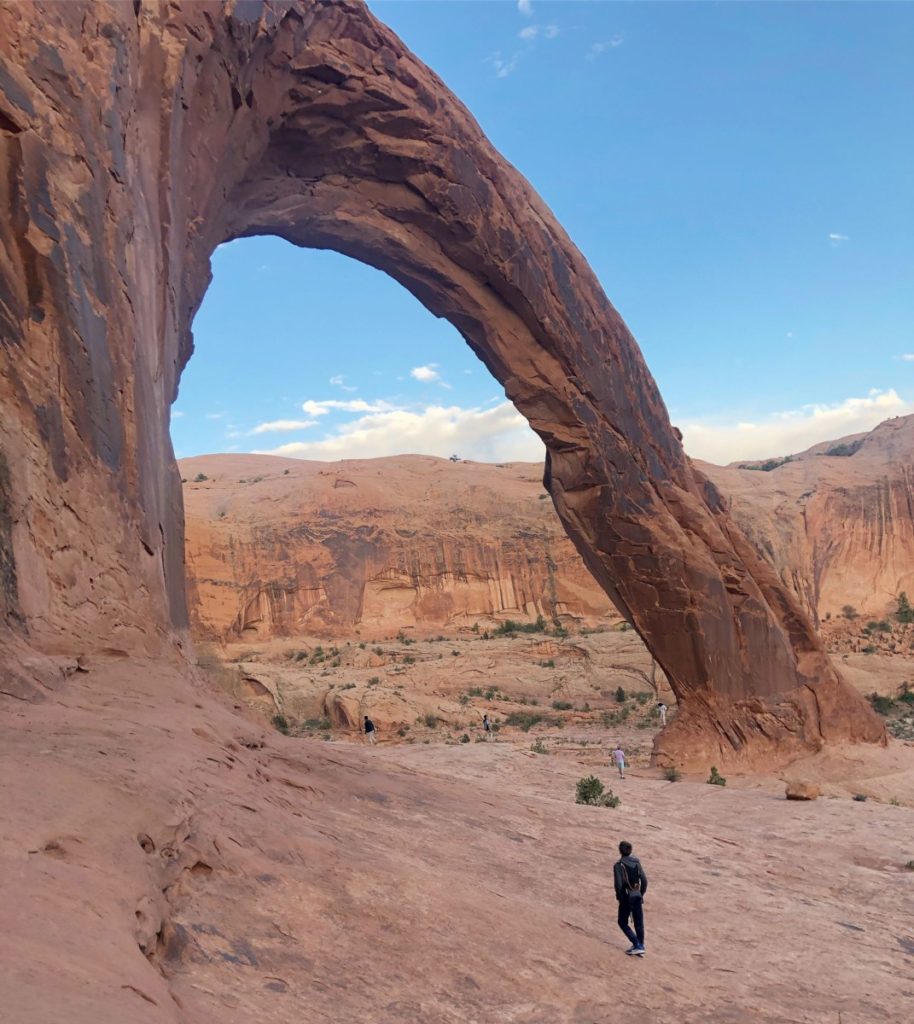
[(277, 547)]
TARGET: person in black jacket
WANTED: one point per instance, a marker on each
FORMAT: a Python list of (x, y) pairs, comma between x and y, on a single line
[(369, 730), (630, 883)]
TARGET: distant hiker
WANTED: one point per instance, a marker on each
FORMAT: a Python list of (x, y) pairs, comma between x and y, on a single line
[(487, 726), (661, 707), (369, 730), (619, 758), (630, 883)]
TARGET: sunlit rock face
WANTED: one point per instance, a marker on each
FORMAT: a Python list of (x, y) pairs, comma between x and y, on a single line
[(136, 137), (279, 547), (836, 521)]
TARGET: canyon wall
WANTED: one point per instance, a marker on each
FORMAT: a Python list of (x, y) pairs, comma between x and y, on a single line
[(277, 547)]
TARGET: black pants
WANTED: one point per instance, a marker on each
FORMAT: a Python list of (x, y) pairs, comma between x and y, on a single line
[(635, 910)]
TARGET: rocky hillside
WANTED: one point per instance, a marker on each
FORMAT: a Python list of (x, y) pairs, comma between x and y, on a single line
[(278, 547), (837, 520)]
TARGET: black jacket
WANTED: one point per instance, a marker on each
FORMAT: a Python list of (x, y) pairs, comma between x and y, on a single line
[(634, 870)]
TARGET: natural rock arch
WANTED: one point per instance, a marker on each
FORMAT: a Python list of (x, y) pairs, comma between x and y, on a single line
[(138, 137)]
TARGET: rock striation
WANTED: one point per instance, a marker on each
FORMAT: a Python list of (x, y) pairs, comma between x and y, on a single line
[(135, 139), (836, 521), (281, 547)]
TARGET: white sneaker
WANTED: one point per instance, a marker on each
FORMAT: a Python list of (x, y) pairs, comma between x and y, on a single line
[(632, 952), (639, 951)]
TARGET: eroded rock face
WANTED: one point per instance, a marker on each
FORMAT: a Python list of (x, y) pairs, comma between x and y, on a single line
[(136, 138), (837, 521), (281, 547)]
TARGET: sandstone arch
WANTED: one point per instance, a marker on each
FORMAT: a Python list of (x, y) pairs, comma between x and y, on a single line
[(135, 138)]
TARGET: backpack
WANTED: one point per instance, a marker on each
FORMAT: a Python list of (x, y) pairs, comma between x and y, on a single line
[(632, 889)]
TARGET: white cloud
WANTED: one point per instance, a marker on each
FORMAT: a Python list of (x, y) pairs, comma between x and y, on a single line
[(908, 357), (425, 373), (786, 433), (498, 434), (176, 414), (282, 426), (340, 381), (837, 239), (530, 32), (597, 49), (525, 7), (215, 415), (503, 67), (321, 408)]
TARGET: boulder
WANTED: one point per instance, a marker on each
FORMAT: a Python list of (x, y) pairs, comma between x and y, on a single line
[(803, 791)]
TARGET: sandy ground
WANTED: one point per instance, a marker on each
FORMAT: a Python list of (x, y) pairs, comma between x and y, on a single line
[(166, 858)]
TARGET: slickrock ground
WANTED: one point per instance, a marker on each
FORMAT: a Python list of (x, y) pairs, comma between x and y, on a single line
[(171, 861)]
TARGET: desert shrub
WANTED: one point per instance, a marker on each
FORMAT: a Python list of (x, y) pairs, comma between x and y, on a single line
[(348, 686), (588, 790), (869, 649), (846, 449), (562, 705), (431, 721), (860, 798), (559, 632), (672, 774), (200, 477), (490, 694), (906, 695), (464, 738), (523, 720), (909, 866), (904, 612), (849, 611), (882, 705), (547, 664), (379, 651), (408, 659), (463, 699), (456, 654), (539, 747), (620, 695), (509, 626), (475, 627), (374, 681), (281, 723), (642, 698), (475, 691), (715, 778), (882, 626)]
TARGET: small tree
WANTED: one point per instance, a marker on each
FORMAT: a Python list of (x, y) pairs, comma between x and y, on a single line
[(620, 695), (849, 612), (904, 612), (200, 477)]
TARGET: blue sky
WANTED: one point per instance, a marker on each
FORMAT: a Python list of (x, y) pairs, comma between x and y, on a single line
[(738, 175)]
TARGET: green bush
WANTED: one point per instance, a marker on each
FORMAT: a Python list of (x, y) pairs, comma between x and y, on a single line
[(882, 705), (672, 774), (562, 705), (547, 664), (860, 798), (849, 611), (464, 738), (620, 695), (904, 612), (374, 681), (509, 626), (431, 721), (200, 477), (523, 720), (281, 723), (588, 790), (539, 747), (715, 778)]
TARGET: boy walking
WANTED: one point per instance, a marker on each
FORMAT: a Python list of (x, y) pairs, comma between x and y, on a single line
[(619, 759), (630, 883)]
